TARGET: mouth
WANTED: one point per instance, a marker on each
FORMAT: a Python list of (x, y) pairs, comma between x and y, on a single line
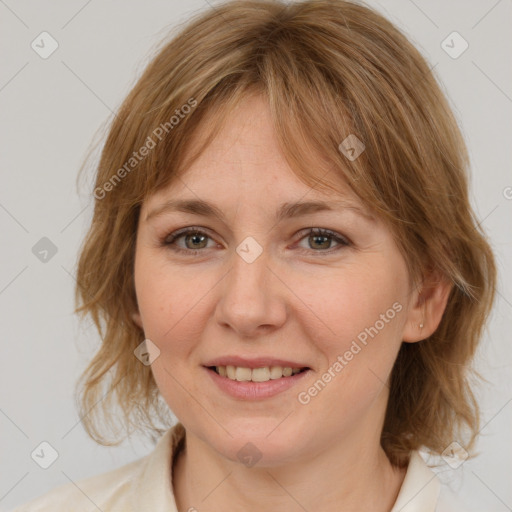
[(261, 374)]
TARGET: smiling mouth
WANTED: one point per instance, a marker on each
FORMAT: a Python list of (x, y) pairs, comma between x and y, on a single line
[(263, 374)]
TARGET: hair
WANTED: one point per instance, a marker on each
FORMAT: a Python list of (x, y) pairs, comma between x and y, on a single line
[(328, 69)]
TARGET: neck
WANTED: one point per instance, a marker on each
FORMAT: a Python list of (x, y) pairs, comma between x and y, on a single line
[(342, 478)]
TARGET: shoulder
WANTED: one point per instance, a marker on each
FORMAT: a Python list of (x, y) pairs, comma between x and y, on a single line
[(145, 482), (103, 490)]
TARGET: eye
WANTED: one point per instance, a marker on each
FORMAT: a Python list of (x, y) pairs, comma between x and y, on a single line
[(196, 239), (320, 240)]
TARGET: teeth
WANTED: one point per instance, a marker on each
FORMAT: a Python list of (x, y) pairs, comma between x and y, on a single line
[(242, 373), (260, 374), (276, 372), (230, 372), (257, 374)]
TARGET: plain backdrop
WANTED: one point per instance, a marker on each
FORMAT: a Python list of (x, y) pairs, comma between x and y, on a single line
[(51, 110)]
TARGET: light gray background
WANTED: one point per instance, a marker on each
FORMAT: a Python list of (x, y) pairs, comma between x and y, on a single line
[(51, 110)]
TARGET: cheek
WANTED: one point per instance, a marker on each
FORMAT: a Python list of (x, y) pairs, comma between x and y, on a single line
[(359, 336), (362, 303), (161, 295), (174, 306), (172, 314)]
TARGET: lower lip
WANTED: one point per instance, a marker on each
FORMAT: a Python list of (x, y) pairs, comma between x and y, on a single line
[(248, 390)]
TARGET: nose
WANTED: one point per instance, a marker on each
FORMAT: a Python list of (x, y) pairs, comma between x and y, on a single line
[(253, 298)]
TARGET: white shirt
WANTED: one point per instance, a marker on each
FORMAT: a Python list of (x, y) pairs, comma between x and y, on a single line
[(145, 485)]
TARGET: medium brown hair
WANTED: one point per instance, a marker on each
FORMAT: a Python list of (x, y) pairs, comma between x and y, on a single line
[(328, 69)]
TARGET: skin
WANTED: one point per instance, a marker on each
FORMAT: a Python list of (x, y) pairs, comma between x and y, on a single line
[(302, 299)]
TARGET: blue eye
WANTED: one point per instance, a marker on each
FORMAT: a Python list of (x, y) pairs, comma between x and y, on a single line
[(196, 240)]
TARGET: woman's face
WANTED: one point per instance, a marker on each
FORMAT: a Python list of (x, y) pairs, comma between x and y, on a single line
[(256, 287)]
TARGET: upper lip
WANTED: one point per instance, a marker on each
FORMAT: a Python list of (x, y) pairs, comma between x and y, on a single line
[(253, 362)]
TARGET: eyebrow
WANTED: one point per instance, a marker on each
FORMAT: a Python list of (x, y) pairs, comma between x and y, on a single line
[(285, 211)]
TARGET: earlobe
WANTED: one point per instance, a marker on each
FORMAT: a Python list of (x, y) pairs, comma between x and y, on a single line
[(429, 306), (137, 320)]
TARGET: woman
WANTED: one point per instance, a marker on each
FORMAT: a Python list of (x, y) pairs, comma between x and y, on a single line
[(282, 216)]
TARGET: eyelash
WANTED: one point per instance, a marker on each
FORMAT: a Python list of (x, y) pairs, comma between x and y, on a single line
[(169, 240)]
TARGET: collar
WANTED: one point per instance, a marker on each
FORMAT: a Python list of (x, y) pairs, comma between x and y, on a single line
[(420, 488)]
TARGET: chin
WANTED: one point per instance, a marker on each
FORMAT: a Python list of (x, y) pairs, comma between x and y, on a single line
[(261, 442)]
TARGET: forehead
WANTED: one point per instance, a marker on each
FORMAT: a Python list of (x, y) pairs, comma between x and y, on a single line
[(244, 158), (246, 144)]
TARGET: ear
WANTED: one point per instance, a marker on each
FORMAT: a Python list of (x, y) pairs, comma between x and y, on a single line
[(137, 320), (428, 305)]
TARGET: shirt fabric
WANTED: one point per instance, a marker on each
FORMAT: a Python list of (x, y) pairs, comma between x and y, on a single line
[(145, 484)]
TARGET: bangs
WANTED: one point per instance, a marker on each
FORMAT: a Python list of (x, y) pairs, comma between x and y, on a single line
[(311, 121)]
